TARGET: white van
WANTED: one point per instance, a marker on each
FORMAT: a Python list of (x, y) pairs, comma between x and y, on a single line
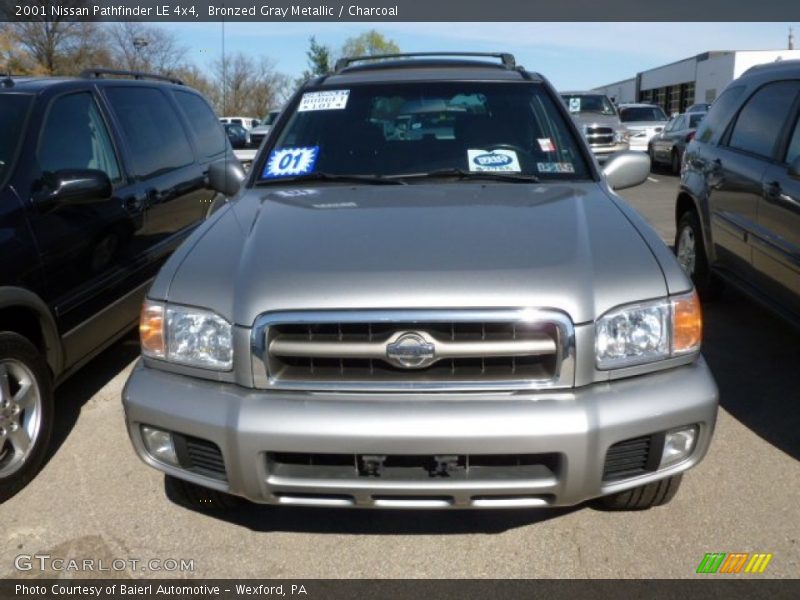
[(246, 122)]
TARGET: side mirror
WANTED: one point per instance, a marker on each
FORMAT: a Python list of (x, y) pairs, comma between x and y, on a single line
[(226, 176), (73, 186), (794, 168), (626, 169)]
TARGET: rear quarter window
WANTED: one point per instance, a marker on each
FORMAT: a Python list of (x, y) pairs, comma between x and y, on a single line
[(205, 126)]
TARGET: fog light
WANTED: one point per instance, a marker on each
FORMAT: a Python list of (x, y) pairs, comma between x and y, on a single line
[(159, 445), (678, 445)]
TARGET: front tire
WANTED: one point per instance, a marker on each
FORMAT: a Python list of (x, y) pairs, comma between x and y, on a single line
[(26, 412), (675, 162), (643, 497), (197, 497), (691, 253)]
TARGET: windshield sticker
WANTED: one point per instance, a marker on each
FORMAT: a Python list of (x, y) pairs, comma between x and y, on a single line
[(574, 105), (328, 100), (555, 167), (496, 160), (546, 145), (291, 161)]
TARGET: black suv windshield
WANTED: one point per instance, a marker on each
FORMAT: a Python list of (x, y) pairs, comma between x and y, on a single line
[(456, 130), (589, 103), (13, 110), (632, 114)]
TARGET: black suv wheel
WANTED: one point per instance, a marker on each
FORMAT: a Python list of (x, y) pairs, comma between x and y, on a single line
[(26, 412)]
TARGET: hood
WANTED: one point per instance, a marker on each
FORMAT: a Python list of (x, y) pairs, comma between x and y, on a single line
[(596, 119), (261, 129), (455, 245)]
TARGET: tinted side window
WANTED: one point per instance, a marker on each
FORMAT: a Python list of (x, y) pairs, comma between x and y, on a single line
[(793, 152), (74, 136), (761, 120), (720, 114), (154, 132), (205, 126)]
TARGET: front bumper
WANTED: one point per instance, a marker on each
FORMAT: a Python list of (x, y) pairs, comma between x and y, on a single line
[(576, 425)]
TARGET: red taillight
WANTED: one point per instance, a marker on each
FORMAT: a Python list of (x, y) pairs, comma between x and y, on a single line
[(690, 137)]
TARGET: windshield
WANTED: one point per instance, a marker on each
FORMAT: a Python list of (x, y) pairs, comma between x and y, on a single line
[(591, 103), (642, 113), (418, 129), (13, 110)]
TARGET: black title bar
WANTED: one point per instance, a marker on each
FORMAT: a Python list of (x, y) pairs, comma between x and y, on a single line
[(401, 10)]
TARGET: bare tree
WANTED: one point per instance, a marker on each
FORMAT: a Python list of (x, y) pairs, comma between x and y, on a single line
[(11, 59), (58, 44), (142, 47), (245, 86)]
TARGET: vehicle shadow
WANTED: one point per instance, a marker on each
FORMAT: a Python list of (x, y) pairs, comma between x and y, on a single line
[(85, 383), (754, 356), (296, 519)]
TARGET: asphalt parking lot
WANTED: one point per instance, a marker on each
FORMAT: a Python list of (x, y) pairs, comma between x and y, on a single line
[(95, 500)]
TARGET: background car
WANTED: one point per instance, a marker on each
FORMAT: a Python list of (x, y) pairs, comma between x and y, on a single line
[(247, 122), (701, 107), (738, 209), (257, 134), (643, 121), (237, 135), (668, 146), (597, 117), (100, 180)]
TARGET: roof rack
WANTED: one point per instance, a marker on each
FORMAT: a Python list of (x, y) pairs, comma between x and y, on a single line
[(98, 73), (507, 60)]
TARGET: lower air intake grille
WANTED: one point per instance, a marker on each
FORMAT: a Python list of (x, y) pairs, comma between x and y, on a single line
[(633, 457), (200, 456)]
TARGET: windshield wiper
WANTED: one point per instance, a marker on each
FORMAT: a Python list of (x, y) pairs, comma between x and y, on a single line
[(464, 174), (319, 176)]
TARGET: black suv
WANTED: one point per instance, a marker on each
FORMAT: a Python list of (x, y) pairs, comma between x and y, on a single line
[(738, 208), (101, 178)]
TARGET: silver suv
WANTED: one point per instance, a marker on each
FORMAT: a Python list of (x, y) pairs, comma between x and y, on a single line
[(598, 119), (470, 318)]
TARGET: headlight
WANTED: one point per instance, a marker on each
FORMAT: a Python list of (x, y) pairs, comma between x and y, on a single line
[(648, 331), (622, 135), (185, 335)]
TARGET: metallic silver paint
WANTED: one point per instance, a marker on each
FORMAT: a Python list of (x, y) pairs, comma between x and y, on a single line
[(580, 424)]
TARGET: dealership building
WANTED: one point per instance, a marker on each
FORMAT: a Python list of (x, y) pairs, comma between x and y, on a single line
[(697, 79)]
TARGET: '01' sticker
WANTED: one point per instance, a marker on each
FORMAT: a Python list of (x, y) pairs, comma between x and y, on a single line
[(291, 161)]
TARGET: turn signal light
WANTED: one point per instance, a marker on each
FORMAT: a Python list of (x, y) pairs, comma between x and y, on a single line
[(151, 329), (687, 324)]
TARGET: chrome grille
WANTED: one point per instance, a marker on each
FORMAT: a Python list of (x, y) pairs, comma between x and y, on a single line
[(418, 350), (600, 136)]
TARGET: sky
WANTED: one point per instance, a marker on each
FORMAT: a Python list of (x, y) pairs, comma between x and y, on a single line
[(571, 55)]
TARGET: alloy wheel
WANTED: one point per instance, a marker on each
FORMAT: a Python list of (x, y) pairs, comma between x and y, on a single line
[(20, 415), (686, 251)]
